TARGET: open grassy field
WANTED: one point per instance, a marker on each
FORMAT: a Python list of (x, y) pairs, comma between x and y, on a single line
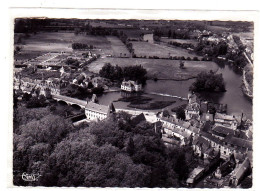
[(57, 42), (162, 69), (182, 41), (119, 49), (162, 51)]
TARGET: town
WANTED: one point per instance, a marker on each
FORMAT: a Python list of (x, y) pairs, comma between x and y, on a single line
[(145, 73)]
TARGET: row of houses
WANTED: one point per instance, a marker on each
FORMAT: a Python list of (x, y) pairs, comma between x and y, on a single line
[(52, 86), (209, 134)]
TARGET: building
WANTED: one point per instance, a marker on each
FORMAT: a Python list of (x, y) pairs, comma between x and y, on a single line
[(221, 132), (100, 82), (131, 86), (192, 111), (196, 174), (239, 172), (226, 168), (228, 121), (98, 112)]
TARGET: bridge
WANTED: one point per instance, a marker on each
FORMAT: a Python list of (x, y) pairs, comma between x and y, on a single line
[(70, 100)]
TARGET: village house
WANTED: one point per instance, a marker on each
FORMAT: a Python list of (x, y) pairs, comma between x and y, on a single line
[(200, 145), (179, 130), (98, 112), (100, 82), (131, 86), (51, 86), (226, 168), (192, 111), (239, 172), (225, 120), (221, 132)]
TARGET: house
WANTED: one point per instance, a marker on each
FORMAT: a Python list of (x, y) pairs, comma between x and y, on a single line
[(221, 132), (207, 117), (168, 141), (200, 146), (158, 127), (196, 174), (97, 112), (99, 82), (239, 172), (237, 144), (226, 168), (226, 121), (131, 86), (192, 111)]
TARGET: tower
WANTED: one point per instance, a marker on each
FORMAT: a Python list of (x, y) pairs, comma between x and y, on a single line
[(111, 109), (94, 98)]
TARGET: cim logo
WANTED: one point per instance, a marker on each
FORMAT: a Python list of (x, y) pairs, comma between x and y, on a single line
[(30, 177)]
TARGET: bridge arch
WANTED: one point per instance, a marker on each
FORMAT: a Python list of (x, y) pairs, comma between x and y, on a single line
[(75, 106), (62, 102)]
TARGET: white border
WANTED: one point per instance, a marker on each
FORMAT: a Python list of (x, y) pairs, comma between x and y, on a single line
[(65, 11)]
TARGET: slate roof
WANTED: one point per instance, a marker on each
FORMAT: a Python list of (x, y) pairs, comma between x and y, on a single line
[(222, 131), (97, 107), (205, 116), (210, 137), (170, 140), (241, 143), (241, 168), (224, 117), (207, 126)]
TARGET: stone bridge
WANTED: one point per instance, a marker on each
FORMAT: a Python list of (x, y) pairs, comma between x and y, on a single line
[(70, 101)]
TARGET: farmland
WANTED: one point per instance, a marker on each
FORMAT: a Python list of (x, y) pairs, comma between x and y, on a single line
[(182, 41), (146, 49), (44, 42), (162, 69), (119, 49)]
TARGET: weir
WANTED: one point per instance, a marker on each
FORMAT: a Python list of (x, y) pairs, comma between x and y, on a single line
[(167, 95)]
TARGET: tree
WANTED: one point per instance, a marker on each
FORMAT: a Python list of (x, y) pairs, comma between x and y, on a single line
[(181, 167), (208, 82), (130, 149), (26, 96), (180, 113), (169, 33), (181, 64)]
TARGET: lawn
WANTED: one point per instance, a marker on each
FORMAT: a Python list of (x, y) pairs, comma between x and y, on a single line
[(162, 69), (119, 49), (149, 50)]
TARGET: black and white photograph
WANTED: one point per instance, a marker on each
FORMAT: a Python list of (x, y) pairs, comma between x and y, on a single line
[(132, 103)]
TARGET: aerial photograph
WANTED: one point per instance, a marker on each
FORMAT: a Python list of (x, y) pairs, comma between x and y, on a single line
[(132, 103)]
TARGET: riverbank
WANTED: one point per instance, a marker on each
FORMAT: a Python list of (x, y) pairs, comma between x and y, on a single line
[(245, 87), (159, 68)]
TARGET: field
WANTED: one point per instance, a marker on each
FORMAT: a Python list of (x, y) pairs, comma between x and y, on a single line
[(247, 39), (149, 50), (135, 33), (162, 69), (119, 49), (56, 42), (182, 41)]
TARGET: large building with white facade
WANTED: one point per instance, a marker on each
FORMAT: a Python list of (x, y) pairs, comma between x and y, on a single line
[(131, 86)]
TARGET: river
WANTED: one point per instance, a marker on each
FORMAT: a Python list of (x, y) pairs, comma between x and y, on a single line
[(235, 99)]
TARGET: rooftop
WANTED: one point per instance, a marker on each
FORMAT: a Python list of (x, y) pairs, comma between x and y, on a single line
[(97, 107), (222, 130)]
